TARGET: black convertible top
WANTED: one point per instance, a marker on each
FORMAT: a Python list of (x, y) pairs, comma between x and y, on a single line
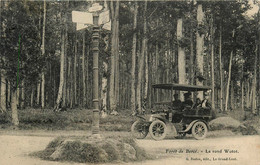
[(181, 87)]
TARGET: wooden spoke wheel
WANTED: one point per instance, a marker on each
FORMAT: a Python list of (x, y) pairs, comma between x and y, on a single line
[(139, 129), (199, 130), (157, 130)]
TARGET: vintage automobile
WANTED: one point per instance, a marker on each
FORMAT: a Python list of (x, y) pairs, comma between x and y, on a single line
[(166, 118)]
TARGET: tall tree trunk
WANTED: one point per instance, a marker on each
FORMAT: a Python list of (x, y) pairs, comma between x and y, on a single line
[(146, 80), (83, 71), (150, 77), (117, 72), (22, 95), (133, 108), (258, 65), (87, 75), (254, 83), (220, 69), (242, 97), (242, 89), (232, 96), (54, 88), (3, 99), (50, 93), (38, 86), (141, 64), (248, 94), (228, 82), (32, 97), (251, 96), (191, 59), (79, 87), (181, 56), (207, 66), (3, 91), (8, 94), (157, 71), (38, 93), (199, 49), (62, 70), (157, 63), (68, 82), (212, 65), (139, 81), (229, 76), (71, 84), (191, 48), (43, 53), (112, 62), (15, 120), (18, 96), (64, 92), (75, 71)]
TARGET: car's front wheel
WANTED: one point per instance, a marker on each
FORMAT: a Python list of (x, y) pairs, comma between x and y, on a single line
[(199, 130), (157, 130), (139, 129)]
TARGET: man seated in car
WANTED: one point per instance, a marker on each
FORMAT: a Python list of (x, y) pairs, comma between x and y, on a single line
[(205, 102), (176, 104), (187, 100), (176, 108), (197, 103)]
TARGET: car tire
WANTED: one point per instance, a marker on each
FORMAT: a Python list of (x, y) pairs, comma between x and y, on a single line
[(139, 130), (199, 130), (157, 130)]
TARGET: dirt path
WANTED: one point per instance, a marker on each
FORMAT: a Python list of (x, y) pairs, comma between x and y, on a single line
[(15, 147), (246, 151), (15, 150)]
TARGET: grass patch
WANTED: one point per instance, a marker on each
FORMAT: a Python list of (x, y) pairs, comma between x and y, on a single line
[(51, 147), (86, 150), (112, 152), (72, 119), (140, 153), (76, 151)]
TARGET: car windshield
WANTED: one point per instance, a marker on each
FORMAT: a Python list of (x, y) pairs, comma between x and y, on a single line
[(181, 87), (163, 93)]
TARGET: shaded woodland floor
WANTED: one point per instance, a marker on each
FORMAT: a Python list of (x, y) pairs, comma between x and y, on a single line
[(81, 119)]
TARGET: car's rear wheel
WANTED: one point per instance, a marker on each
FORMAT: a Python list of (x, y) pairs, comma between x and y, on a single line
[(139, 129), (157, 130), (199, 130)]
